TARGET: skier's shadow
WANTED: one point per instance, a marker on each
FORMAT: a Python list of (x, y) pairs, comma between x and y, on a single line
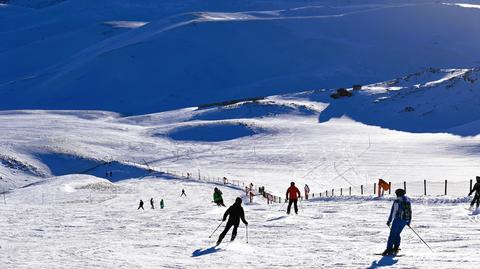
[(384, 261), (201, 252)]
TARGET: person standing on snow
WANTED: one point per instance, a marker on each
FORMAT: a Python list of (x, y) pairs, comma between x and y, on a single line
[(235, 213), (307, 191), (292, 196), (217, 197), (162, 204), (476, 189), (401, 215), (140, 205), (151, 203), (183, 193)]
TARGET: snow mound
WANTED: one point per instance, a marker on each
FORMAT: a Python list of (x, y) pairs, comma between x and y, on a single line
[(98, 186)]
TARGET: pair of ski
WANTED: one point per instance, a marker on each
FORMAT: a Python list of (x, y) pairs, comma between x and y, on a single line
[(393, 255)]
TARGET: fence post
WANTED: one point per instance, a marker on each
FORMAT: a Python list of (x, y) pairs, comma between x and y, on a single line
[(374, 188), (471, 180), (350, 191), (445, 187), (389, 187), (361, 189), (425, 187), (199, 178), (405, 186)]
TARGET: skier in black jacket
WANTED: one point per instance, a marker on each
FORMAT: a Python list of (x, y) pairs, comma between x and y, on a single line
[(235, 213), (140, 205), (476, 189)]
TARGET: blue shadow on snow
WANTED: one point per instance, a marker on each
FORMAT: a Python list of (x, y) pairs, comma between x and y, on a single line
[(384, 261), (200, 252)]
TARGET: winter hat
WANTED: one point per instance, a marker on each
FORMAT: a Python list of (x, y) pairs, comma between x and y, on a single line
[(238, 200), (400, 192)]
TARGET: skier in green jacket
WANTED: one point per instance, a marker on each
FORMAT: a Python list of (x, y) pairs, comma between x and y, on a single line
[(217, 197), (162, 205)]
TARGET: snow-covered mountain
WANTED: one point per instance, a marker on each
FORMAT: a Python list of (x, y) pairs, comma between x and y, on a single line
[(141, 57), (308, 136)]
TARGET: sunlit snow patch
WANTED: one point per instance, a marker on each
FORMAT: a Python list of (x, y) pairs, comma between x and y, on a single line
[(223, 16), (464, 5), (126, 24)]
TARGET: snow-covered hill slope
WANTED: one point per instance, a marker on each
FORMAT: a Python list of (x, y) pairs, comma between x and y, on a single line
[(140, 57), (421, 126), (85, 222)]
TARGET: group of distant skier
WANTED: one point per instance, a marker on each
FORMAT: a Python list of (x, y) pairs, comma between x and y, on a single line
[(152, 204)]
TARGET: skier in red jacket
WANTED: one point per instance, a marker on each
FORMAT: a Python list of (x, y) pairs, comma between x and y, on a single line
[(292, 195)]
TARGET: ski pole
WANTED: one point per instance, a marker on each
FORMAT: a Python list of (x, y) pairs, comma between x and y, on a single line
[(282, 206), (216, 229), (246, 232), (421, 238)]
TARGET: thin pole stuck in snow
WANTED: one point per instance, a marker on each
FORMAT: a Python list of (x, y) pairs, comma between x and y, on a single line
[(446, 182), (246, 227), (421, 238)]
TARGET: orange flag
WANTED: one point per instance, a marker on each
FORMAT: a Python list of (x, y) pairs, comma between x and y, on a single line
[(383, 184)]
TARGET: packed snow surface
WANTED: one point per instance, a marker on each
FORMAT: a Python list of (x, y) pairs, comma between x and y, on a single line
[(86, 222)]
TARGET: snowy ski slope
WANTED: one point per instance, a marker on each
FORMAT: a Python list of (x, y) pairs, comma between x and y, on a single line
[(87, 222), (240, 89)]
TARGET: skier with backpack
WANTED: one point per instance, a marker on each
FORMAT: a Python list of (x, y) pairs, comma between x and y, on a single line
[(235, 213), (292, 196), (217, 197), (400, 216), (476, 189)]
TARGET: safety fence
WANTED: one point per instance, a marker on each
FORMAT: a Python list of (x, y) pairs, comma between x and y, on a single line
[(250, 188), (412, 188)]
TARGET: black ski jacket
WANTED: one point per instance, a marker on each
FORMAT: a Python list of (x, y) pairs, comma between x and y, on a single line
[(476, 189), (235, 213)]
